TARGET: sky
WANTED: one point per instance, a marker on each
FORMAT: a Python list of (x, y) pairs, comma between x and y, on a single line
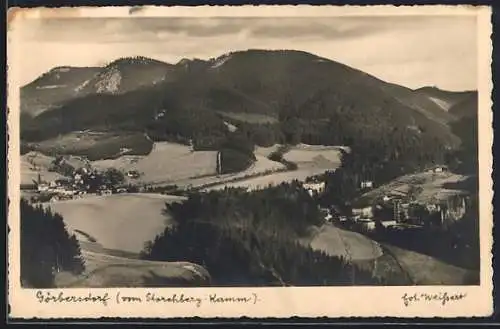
[(413, 51)]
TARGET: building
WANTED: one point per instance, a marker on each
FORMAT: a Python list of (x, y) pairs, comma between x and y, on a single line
[(437, 169), (42, 187), (132, 174), (388, 223), (387, 198), (342, 219), (366, 184), (314, 187), (105, 192), (365, 212), (367, 223), (328, 217)]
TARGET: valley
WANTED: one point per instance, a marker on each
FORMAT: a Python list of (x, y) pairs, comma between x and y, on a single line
[(239, 137)]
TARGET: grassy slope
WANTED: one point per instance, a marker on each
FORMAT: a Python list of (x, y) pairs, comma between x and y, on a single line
[(311, 160), (34, 164), (166, 163), (434, 185), (106, 271), (426, 270), (120, 221), (112, 231)]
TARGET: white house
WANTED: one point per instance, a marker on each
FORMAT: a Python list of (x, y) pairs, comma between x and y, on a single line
[(315, 187), (43, 187), (386, 198), (367, 184), (365, 212), (437, 169), (367, 223), (388, 223)]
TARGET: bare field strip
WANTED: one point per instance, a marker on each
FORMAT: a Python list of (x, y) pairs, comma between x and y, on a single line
[(310, 159), (166, 163), (119, 221)]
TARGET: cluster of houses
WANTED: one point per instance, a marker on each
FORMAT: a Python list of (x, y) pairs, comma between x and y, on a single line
[(397, 213), (82, 181), (397, 209)]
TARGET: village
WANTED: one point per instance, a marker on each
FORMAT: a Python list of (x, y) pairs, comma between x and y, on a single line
[(78, 182), (395, 208)]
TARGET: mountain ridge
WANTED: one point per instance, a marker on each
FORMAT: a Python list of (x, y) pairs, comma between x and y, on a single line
[(309, 98)]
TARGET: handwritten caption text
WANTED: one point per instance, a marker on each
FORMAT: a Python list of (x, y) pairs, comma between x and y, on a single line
[(105, 299)]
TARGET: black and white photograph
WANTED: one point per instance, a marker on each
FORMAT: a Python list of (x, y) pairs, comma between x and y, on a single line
[(261, 151)]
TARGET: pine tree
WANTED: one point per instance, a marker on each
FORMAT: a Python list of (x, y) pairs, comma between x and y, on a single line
[(46, 247)]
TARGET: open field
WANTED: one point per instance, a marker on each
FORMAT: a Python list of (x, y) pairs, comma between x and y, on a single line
[(339, 242), (310, 159), (272, 179), (119, 221), (167, 162), (266, 151), (262, 165), (388, 261), (35, 163), (112, 231), (320, 156)]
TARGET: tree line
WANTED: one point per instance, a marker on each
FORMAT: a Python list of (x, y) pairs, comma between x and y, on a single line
[(46, 247), (250, 238)]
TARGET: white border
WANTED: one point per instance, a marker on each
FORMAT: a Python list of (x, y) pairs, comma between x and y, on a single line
[(274, 302)]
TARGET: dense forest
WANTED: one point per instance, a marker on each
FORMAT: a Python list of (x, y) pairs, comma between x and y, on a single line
[(195, 99), (46, 247), (250, 238)]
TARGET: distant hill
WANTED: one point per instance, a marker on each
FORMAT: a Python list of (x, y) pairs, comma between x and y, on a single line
[(54, 88), (445, 99), (466, 107), (298, 96), (63, 84), (127, 74)]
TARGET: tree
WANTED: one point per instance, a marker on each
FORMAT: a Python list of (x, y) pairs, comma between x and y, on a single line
[(249, 238), (114, 177), (46, 247)]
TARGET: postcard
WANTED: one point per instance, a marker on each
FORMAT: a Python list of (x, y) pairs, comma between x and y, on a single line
[(250, 161)]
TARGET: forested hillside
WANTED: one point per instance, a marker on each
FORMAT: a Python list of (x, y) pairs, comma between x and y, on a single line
[(299, 97), (46, 247), (250, 239)]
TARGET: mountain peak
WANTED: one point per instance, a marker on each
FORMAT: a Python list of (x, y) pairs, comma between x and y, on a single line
[(137, 60)]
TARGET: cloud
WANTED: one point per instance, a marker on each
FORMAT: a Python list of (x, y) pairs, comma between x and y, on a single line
[(408, 50)]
